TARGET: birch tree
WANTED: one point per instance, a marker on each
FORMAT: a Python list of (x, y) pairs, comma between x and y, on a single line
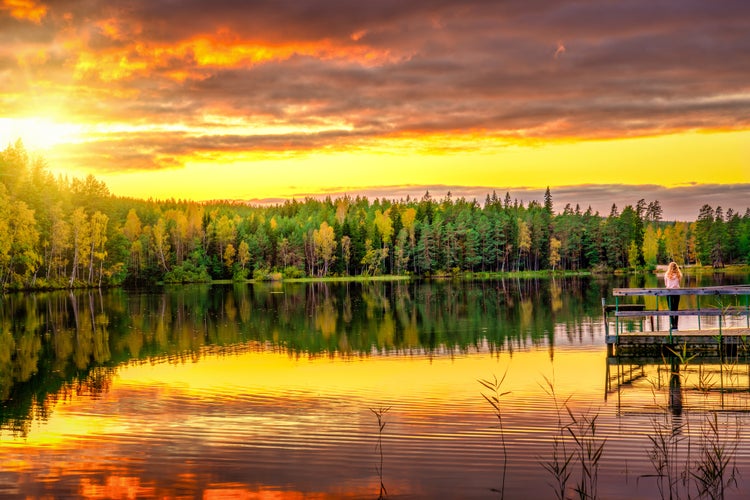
[(98, 240), (79, 228), (325, 245)]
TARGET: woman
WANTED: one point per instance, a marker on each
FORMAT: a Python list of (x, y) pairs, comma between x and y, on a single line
[(672, 279)]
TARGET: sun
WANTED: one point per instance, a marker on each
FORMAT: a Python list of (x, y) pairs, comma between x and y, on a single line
[(37, 133)]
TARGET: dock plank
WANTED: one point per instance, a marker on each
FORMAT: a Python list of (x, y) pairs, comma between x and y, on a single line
[(704, 290), (734, 311), (728, 336)]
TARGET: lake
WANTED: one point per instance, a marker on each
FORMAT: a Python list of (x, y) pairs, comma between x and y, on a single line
[(358, 390)]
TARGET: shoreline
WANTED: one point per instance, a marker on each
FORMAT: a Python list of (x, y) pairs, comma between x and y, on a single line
[(477, 276)]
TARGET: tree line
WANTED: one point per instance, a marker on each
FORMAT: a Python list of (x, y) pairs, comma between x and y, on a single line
[(57, 232)]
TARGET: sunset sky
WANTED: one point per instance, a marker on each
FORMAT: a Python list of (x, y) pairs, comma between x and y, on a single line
[(604, 102)]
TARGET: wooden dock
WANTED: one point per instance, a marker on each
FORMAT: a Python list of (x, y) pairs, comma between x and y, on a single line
[(627, 331)]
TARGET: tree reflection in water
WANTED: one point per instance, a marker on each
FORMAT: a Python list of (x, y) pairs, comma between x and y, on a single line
[(62, 346)]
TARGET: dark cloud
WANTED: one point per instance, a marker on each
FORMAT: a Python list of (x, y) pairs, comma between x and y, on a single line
[(629, 68), (154, 151)]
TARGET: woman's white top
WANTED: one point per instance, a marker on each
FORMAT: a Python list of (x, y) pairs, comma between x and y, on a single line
[(672, 282)]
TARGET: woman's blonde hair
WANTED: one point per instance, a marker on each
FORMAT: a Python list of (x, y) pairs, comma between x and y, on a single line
[(674, 270)]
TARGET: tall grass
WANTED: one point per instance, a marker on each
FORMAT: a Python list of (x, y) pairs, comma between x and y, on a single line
[(380, 416), (574, 443), (559, 464), (589, 449), (684, 468), (493, 398), (714, 471), (697, 462), (666, 440)]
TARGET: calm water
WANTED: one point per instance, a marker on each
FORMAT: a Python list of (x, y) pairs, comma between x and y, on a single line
[(274, 391)]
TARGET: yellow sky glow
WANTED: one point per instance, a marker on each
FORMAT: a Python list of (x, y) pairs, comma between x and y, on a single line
[(722, 158)]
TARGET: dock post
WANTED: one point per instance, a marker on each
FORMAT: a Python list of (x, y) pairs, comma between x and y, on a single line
[(658, 323), (617, 319), (604, 315), (698, 299)]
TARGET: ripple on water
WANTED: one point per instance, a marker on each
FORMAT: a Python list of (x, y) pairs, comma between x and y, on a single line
[(440, 436)]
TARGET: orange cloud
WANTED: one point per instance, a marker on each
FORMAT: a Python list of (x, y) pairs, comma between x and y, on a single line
[(560, 49), (28, 10), (194, 56), (153, 87)]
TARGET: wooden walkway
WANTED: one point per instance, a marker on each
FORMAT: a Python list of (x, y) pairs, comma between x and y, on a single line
[(627, 318), (714, 336)]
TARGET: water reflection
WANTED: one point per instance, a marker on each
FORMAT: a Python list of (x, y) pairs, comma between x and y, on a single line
[(696, 410), (679, 383), (245, 390), (50, 343)]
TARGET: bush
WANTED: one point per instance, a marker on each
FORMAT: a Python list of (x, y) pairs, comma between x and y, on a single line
[(261, 274), (116, 275), (601, 268), (187, 273), (240, 274), (291, 272)]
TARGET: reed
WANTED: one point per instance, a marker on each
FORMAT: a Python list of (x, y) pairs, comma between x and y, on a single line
[(493, 398), (669, 429), (585, 449), (380, 416), (680, 470), (559, 465), (589, 449), (680, 355), (715, 469), (706, 381), (688, 463), (666, 441)]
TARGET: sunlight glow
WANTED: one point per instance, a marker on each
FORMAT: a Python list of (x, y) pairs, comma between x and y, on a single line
[(39, 133), (278, 375)]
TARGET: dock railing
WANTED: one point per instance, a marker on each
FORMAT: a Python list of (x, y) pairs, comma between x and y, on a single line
[(712, 304)]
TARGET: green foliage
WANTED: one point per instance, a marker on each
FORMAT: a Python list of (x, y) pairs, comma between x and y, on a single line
[(60, 233), (266, 275), (240, 275), (187, 273), (292, 272)]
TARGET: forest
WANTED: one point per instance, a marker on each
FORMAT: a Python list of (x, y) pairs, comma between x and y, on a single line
[(57, 232)]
